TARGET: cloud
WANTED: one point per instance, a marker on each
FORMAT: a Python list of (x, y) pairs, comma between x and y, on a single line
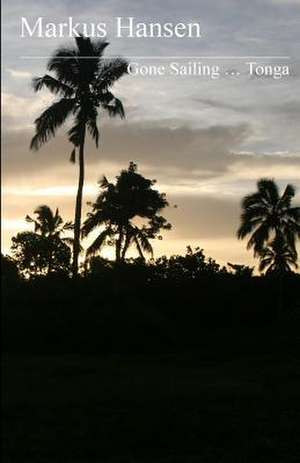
[(19, 112), (178, 149), (19, 74), (219, 104), (177, 155)]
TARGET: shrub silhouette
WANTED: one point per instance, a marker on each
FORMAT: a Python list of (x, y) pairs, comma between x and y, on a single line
[(43, 251)]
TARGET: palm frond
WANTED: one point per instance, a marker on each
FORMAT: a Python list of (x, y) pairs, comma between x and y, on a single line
[(99, 47), (65, 64), (92, 221), (50, 120), (288, 194), (88, 60), (144, 241), (94, 131), (98, 243), (92, 124), (247, 226), (258, 238), (68, 226), (264, 263), (292, 219), (29, 219), (115, 108), (55, 86), (73, 156), (111, 71), (268, 190), (103, 182), (254, 200), (138, 247)]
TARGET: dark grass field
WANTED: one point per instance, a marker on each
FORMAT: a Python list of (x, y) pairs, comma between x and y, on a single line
[(154, 408)]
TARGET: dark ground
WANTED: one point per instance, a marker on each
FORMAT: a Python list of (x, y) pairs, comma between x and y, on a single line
[(209, 405), (177, 369)]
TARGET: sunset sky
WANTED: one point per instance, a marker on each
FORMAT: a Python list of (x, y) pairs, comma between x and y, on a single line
[(206, 142)]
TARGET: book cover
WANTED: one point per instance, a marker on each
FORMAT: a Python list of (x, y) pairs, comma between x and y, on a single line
[(151, 225)]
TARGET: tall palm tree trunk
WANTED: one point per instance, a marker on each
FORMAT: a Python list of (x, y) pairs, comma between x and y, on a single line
[(50, 259), (126, 245), (119, 244), (78, 208)]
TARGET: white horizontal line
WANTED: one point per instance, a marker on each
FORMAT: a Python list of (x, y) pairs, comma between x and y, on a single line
[(163, 57)]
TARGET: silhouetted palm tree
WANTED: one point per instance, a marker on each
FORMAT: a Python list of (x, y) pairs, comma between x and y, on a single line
[(140, 237), (267, 215), (82, 81), (278, 257), (50, 226), (117, 206), (48, 223), (133, 235)]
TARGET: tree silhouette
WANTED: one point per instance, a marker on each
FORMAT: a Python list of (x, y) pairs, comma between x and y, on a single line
[(28, 249), (9, 270), (267, 216), (82, 82), (241, 270), (44, 250), (51, 226), (118, 208), (191, 266), (48, 223), (31, 253), (278, 258)]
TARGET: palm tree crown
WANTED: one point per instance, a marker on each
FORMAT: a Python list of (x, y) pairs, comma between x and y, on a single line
[(48, 223), (82, 81), (278, 257), (267, 215)]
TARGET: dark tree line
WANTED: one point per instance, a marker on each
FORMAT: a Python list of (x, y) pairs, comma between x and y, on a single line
[(127, 214), (137, 304)]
